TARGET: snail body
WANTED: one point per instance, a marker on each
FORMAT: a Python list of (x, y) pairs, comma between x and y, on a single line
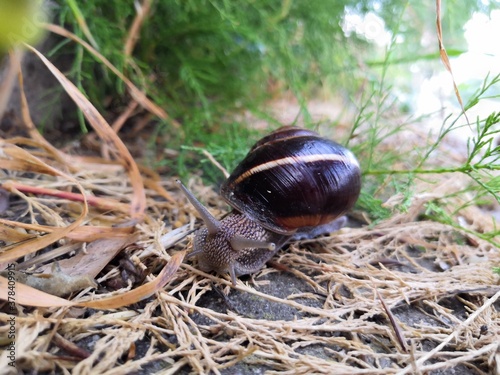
[(292, 184)]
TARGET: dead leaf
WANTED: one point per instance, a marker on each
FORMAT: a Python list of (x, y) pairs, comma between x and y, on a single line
[(97, 255), (28, 296)]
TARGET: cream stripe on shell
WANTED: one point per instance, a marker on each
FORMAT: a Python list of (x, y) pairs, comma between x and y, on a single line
[(293, 160)]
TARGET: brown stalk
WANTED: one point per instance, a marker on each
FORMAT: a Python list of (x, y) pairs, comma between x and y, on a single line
[(400, 337), (137, 94), (138, 202), (142, 12), (444, 56), (106, 204)]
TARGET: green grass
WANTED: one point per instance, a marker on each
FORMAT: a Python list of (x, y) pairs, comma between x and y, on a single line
[(211, 57), (480, 164)]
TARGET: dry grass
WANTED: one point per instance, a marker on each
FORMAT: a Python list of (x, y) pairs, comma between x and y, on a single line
[(436, 281)]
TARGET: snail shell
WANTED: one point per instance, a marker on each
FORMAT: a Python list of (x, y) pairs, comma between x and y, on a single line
[(293, 179)]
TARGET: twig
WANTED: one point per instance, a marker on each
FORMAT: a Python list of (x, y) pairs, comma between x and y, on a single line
[(452, 336), (395, 325), (216, 163)]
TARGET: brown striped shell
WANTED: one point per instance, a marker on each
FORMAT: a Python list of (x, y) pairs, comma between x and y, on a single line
[(293, 179)]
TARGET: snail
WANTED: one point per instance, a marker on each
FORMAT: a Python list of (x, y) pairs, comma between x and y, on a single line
[(292, 184)]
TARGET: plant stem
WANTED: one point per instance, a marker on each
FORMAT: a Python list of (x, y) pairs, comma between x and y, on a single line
[(463, 169)]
